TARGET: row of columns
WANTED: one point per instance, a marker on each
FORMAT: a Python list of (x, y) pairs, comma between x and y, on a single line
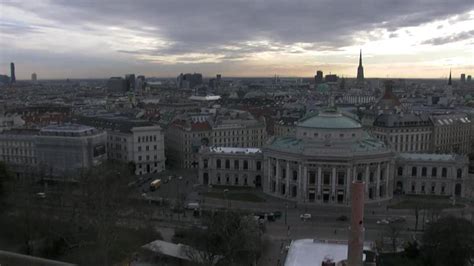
[(303, 182)]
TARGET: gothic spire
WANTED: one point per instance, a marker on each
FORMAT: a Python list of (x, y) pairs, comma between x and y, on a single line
[(360, 58), (449, 80)]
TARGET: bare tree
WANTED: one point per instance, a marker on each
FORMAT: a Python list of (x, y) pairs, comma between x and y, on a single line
[(394, 230), (103, 195)]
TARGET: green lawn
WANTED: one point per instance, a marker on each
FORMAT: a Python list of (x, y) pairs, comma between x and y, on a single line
[(425, 202), (239, 196)]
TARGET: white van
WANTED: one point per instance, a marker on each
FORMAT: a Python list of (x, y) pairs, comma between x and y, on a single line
[(192, 206)]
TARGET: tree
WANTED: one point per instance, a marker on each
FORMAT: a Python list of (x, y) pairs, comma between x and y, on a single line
[(5, 175), (104, 193), (394, 230), (449, 241), (230, 238)]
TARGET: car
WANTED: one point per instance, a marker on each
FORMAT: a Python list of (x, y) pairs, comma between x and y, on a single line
[(277, 214), (41, 195), (192, 206), (342, 218), (396, 220), (305, 216), (383, 221)]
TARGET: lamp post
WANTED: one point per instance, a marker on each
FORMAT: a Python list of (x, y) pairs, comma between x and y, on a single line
[(226, 198)]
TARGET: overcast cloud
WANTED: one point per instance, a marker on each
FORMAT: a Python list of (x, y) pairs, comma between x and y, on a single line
[(162, 37)]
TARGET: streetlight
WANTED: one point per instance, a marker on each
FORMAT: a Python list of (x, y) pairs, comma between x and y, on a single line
[(226, 198)]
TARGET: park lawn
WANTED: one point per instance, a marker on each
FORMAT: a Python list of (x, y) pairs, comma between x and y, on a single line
[(239, 196), (425, 202)]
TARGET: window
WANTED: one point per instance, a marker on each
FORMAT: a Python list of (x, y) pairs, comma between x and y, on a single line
[(259, 165), (147, 148), (139, 158), (139, 148), (236, 164), (218, 178), (326, 178), (236, 180), (205, 163), (423, 188), (218, 163), (459, 173), (433, 187), (341, 178), (434, 172), (295, 175), (371, 177), (423, 171), (246, 164), (227, 179), (155, 147), (312, 177), (413, 171), (444, 172), (413, 187), (227, 164), (400, 171)]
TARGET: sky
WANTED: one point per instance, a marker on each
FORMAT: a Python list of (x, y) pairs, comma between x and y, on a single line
[(239, 38)]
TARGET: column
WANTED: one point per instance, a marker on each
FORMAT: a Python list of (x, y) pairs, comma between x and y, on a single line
[(277, 177), (367, 172), (300, 176), (305, 182), (348, 184), (377, 189), (319, 180), (333, 181), (269, 174), (287, 190), (388, 191)]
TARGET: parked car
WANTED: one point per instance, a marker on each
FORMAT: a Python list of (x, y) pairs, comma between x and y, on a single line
[(342, 218), (192, 206), (41, 195), (305, 216), (277, 214), (383, 221)]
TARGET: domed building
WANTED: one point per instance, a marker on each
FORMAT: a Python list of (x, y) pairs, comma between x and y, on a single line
[(328, 152)]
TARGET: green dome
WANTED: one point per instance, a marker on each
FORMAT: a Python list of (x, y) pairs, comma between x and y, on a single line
[(323, 87), (330, 119)]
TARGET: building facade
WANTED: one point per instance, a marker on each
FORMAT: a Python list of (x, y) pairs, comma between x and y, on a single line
[(136, 141), (18, 151), (432, 174), (231, 166), (452, 133), (404, 132), (65, 150)]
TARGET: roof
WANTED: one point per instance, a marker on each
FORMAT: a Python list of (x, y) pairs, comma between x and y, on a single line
[(428, 157), (330, 119), (234, 150), (304, 252), (402, 120), (179, 251)]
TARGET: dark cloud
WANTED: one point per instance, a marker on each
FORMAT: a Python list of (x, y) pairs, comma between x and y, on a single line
[(451, 38), (193, 26)]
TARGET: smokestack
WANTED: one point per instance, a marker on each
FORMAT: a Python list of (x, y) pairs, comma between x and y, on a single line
[(356, 229)]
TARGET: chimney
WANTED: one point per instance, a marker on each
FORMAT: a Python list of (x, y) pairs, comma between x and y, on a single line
[(356, 229)]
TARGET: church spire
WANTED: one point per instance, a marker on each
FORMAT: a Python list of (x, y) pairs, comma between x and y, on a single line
[(449, 80), (360, 69)]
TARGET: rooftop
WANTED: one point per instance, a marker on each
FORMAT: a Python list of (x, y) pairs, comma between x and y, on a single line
[(428, 157), (234, 150), (330, 119)]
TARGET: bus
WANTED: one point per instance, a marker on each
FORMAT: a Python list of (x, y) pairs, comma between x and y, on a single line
[(155, 184)]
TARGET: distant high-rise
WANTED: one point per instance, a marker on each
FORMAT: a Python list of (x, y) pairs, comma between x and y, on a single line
[(360, 69), (33, 77), (468, 78), (331, 78), (130, 79), (117, 84), (188, 80), (449, 80), (463, 78), (12, 72), (319, 77)]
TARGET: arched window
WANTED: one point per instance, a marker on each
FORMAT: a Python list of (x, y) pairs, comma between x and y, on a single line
[(205, 163), (218, 163), (434, 171), (444, 172), (227, 164), (413, 171), (400, 171), (423, 171), (295, 175), (236, 164), (459, 173), (246, 165)]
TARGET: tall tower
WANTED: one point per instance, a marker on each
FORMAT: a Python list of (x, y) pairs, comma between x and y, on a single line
[(360, 69), (449, 80), (12, 72), (356, 229)]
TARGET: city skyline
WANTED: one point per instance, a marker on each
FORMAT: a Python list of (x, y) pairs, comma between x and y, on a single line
[(250, 38)]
